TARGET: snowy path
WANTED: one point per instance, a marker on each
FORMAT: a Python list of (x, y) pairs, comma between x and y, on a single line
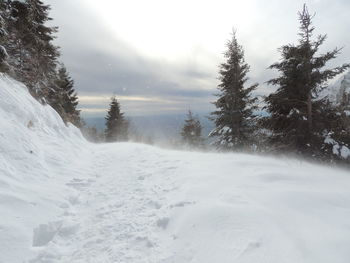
[(118, 213), (141, 204)]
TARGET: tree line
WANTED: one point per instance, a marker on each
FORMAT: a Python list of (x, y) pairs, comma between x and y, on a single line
[(28, 54), (300, 119)]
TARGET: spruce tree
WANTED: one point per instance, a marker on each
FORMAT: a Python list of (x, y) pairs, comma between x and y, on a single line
[(299, 116), (28, 54), (192, 132), (337, 134), (116, 125), (65, 98), (32, 53), (4, 14), (20, 35), (235, 105), (45, 53)]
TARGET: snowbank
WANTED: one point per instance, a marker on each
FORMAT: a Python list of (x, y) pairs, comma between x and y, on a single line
[(36, 150)]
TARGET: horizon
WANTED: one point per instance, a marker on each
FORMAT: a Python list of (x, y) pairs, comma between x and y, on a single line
[(169, 65)]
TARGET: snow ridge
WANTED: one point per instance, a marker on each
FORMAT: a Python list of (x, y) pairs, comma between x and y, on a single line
[(36, 152)]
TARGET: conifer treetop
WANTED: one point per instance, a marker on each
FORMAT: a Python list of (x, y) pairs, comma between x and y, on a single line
[(299, 116), (116, 125), (235, 104)]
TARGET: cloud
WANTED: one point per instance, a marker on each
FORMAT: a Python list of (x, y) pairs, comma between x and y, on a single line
[(162, 58)]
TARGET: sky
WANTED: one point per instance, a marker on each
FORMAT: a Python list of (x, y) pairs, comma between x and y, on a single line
[(162, 57)]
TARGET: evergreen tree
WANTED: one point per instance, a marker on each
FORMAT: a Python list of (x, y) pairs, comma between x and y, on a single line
[(44, 53), (337, 135), (344, 110), (32, 53), (192, 132), (32, 57), (4, 67), (63, 97), (299, 117), (18, 44), (116, 125), (235, 105)]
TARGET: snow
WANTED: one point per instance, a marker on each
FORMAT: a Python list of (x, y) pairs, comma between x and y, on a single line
[(337, 87), (340, 150), (65, 200), (36, 151), (3, 52), (224, 130), (345, 152)]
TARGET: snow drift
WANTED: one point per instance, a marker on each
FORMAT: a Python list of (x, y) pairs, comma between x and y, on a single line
[(36, 151), (63, 200)]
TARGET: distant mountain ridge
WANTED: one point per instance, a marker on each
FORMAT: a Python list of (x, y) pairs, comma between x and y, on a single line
[(343, 96), (338, 92)]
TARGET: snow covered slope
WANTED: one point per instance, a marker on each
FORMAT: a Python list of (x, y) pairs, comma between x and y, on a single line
[(338, 90), (65, 200), (36, 151)]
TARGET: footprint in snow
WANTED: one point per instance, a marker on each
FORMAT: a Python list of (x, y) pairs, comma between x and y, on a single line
[(154, 204), (163, 222), (181, 204)]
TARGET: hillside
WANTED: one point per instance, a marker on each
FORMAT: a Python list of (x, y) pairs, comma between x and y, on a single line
[(338, 90), (65, 200)]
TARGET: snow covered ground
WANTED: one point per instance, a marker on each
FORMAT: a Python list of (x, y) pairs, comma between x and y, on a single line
[(65, 200)]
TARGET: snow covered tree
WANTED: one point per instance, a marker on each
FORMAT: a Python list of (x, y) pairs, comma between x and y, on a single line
[(44, 52), (33, 58), (19, 36), (32, 53), (63, 98), (299, 116), (192, 131), (70, 98), (116, 125), (337, 134), (235, 105), (4, 67)]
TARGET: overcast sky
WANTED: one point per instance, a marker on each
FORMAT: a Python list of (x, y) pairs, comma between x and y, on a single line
[(161, 56)]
